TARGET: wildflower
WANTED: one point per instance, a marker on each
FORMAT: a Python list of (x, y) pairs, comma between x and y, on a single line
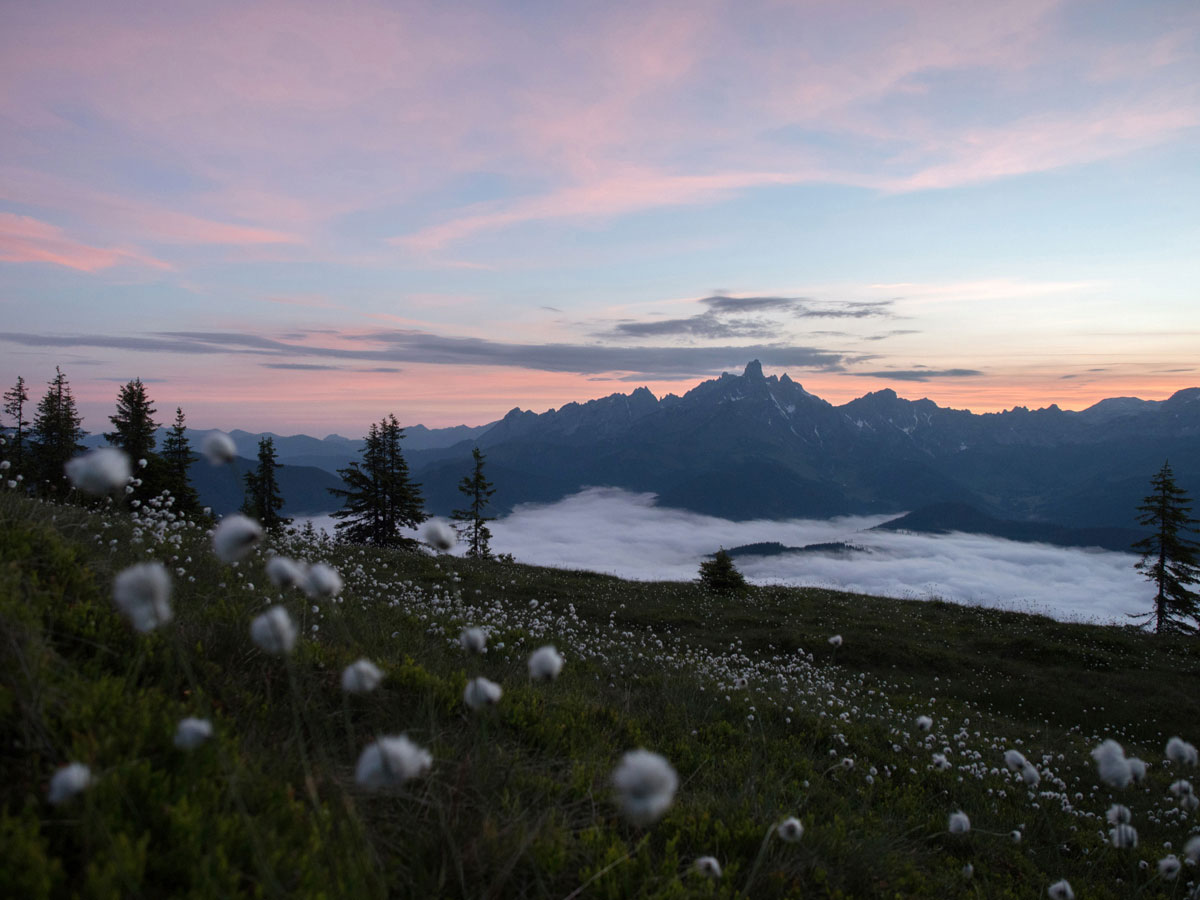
[(361, 677), (959, 823), (390, 761), (1181, 752), (274, 631), (1118, 815), (322, 581), (545, 663), (69, 781), (143, 594), (218, 448), (473, 640), (284, 572), (480, 692), (1112, 764), (708, 867), (924, 723), (235, 536), (190, 733), (645, 785), (99, 471), (835, 641), (1192, 848), (1015, 760), (1061, 890), (1168, 867), (1123, 837), (790, 830), (439, 535)]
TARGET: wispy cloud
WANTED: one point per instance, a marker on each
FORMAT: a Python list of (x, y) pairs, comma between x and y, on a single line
[(919, 374), (27, 240)]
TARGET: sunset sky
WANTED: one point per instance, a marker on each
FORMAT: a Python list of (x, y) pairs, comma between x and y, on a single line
[(301, 217)]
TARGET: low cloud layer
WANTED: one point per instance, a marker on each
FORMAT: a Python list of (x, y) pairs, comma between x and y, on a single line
[(727, 317), (613, 531)]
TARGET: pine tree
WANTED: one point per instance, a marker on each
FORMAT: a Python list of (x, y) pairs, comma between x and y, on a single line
[(177, 460), (474, 528), (1169, 559), (14, 407), (56, 434), (262, 498), (380, 497), (135, 434), (720, 575)]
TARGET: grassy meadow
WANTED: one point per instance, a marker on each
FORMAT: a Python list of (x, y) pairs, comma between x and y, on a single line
[(759, 714)]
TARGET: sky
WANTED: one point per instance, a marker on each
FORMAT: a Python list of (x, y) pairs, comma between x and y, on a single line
[(621, 533), (304, 216)]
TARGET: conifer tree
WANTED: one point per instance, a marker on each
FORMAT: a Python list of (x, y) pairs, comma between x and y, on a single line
[(134, 433), (1169, 559), (720, 575), (15, 399), (56, 434), (474, 523), (262, 498), (177, 460), (380, 498)]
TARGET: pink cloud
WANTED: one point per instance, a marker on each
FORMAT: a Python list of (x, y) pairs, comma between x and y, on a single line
[(24, 239)]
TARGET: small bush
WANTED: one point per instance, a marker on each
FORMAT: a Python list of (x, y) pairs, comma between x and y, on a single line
[(720, 575)]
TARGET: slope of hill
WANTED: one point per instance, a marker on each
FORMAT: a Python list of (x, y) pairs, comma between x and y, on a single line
[(760, 716), (305, 489)]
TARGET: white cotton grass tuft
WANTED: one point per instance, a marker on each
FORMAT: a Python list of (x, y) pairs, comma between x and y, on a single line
[(790, 830), (968, 871), (99, 471), (1060, 890), (191, 732), (958, 823), (481, 692), (1137, 769), (1181, 752), (143, 595), (545, 663), (1181, 788), (391, 761), (322, 582), (361, 677), (1015, 760), (1123, 837), (439, 535), (285, 572), (1192, 849), (218, 448), (835, 641), (708, 866), (274, 631), (645, 785), (235, 536), (68, 781), (1118, 815), (473, 640), (1112, 765), (1168, 867), (1029, 774), (924, 723), (1015, 835)]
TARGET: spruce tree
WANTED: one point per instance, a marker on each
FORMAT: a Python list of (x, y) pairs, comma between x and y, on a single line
[(262, 498), (56, 434), (474, 523), (380, 498), (720, 575), (177, 460), (134, 433), (1169, 559), (15, 399)]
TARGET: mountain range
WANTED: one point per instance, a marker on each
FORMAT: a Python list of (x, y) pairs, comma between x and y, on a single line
[(754, 446)]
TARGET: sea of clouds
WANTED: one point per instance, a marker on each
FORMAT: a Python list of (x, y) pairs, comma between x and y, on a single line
[(621, 533)]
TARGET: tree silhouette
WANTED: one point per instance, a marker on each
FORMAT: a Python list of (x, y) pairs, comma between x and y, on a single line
[(15, 399), (56, 434), (474, 523), (262, 499), (379, 498), (134, 432), (177, 461), (720, 575), (1169, 559)]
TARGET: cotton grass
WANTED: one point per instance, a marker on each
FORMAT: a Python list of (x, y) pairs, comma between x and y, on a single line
[(790, 830), (235, 536), (480, 693), (143, 595), (389, 762), (1181, 752), (361, 677), (191, 732), (545, 663), (218, 448), (1060, 890), (68, 781), (708, 866), (274, 631), (1112, 765), (958, 823), (99, 471), (645, 784)]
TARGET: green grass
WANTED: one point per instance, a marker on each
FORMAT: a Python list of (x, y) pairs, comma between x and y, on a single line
[(518, 801)]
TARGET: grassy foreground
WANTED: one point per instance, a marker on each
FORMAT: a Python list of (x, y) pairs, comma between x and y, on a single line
[(760, 716)]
